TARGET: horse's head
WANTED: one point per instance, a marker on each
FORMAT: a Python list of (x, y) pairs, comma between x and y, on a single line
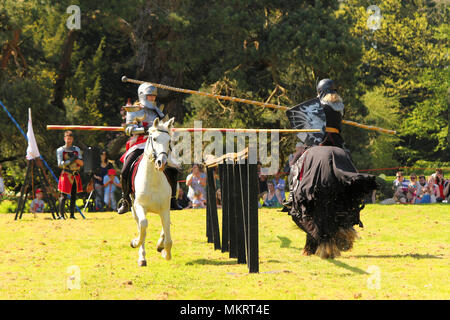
[(158, 142)]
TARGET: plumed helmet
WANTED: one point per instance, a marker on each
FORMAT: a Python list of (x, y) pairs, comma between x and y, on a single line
[(325, 86), (144, 90)]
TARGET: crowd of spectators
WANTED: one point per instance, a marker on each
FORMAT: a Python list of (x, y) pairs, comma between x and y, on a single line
[(420, 190)]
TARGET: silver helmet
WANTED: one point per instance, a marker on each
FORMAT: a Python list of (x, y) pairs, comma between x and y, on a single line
[(144, 90)]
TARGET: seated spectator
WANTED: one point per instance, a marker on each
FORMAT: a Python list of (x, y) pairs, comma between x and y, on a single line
[(110, 184), (280, 186), (270, 198), (198, 201), (37, 205), (196, 181), (262, 186), (413, 188), (433, 188), (439, 181), (183, 200), (218, 198), (425, 196), (400, 188)]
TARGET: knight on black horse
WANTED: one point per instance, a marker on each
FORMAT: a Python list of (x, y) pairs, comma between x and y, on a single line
[(326, 191)]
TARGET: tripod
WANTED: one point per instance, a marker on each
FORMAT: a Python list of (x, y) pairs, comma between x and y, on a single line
[(31, 180)]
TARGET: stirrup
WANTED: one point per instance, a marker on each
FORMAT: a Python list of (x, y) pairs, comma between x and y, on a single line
[(174, 204), (123, 206)]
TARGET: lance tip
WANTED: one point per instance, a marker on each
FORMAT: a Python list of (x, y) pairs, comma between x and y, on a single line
[(124, 79)]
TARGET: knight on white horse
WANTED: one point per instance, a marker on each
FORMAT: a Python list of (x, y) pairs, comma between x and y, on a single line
[(138, 119), (152, 190)]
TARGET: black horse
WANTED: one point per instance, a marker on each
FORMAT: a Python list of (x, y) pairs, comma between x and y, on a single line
[(328, 197)]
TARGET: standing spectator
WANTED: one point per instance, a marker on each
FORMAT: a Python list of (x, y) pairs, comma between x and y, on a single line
[(111, 183), (37, 205), (280, 186), (270, 198), (196, 181), (2, 183), (400, 188), (99, 175), (70, 160)]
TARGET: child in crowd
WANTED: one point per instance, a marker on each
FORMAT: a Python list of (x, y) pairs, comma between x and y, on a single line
[(110, 184), (198, 201), (400, 188), (37, 205)]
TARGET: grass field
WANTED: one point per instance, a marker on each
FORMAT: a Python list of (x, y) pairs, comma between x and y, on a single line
[(403, 253)]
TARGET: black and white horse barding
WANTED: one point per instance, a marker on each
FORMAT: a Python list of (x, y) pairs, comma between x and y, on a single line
[(328, 197), (152, 189)]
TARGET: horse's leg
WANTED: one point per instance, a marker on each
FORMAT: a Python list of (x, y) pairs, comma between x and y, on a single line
[(142, 227), (165, 219), (160, 244), (135, 240)]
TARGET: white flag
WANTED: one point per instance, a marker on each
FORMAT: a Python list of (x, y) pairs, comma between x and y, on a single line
[(32, 150)]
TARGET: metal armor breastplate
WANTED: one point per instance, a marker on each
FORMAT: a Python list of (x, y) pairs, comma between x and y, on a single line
[(140, 116)]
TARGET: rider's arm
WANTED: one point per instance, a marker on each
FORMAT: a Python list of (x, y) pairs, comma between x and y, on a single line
[(132, 129)]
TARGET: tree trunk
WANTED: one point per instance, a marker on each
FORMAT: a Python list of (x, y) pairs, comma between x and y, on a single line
[(64, 69)]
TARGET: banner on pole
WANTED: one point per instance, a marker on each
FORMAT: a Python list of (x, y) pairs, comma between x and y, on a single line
[(32, 149)]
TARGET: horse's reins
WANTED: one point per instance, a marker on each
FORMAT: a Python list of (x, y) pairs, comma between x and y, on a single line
[(155, 156)]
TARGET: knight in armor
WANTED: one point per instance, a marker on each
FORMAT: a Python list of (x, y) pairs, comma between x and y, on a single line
[(70, 160), (139, 117), (332, 106)]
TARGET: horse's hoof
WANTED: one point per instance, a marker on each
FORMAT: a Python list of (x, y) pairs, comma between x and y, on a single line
[(131, 244), (142, 263), (166, 255), (160, 245)]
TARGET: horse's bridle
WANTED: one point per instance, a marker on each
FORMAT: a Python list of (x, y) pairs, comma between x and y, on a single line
[(154, 155)]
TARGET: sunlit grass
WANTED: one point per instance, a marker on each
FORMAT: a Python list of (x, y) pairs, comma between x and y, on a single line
[(409, 244)]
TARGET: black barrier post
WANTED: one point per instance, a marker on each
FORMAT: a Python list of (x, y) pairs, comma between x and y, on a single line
[(209, 234), (212, 215), (244, 200), (253, 255), (224, 191), (239, 217), (231, 213)]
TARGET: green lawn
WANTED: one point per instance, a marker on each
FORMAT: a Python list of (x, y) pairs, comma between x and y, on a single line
[(407, 246)]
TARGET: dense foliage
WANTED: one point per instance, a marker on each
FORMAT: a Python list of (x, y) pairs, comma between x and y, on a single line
[(395, 77)]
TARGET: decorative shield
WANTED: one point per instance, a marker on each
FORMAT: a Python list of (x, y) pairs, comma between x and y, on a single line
[(308, 115)]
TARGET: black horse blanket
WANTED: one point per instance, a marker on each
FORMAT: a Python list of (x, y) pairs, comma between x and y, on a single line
[(328, 192)]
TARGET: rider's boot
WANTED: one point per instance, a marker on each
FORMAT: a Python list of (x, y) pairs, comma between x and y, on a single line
[(172, 177), (124, 203), (287, 204)]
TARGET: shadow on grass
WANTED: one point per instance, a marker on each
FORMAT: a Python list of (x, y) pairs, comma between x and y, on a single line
[(409, 255), (211, 262), (285, 242), (346, 266)]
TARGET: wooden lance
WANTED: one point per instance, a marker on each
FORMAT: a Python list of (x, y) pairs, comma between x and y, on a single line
[(246, 101)]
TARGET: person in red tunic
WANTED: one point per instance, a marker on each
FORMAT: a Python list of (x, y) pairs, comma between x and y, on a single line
[(70, 160)]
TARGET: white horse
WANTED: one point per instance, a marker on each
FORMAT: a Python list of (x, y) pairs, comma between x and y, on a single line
[(152, 190)]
